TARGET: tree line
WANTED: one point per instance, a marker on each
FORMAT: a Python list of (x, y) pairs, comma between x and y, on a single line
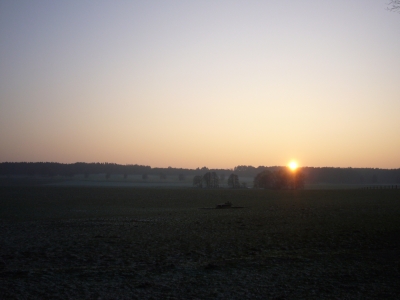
[(329, 175), (311, 175), (280, 178)]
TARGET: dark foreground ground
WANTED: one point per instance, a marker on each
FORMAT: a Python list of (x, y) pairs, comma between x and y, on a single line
[(125, 243)]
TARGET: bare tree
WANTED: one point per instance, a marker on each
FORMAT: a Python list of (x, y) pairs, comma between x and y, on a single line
[(265, 180), (211, 180), (197, 181), (233, 181), (280, 179), (394, 5), (222, 177)]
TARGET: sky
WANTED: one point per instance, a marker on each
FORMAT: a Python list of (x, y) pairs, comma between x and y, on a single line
[(189, 84)]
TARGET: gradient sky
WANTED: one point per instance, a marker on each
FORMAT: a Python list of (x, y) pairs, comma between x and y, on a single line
[(200, 83)]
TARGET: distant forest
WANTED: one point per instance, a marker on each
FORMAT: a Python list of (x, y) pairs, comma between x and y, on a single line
[(326, 175)]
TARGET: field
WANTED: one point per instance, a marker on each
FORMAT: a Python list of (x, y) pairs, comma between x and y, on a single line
[(143, 243)]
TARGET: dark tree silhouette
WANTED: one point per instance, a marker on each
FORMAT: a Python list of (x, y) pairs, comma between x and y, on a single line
[(211, 180), (181, 177), (163, 176), (298, 178), (394, 5), (288, 179), (145, 176), (233, 181), (125, 175), (280, 179), (264, 180), (198, 181), (222, 177), (108, 175)]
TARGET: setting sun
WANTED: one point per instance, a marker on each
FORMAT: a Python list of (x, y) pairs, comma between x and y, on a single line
[(293, 165)]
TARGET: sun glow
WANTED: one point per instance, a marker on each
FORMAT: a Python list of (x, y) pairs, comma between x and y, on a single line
[(293, 165)]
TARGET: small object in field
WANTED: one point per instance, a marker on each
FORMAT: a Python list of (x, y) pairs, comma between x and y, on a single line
[(227, 204)]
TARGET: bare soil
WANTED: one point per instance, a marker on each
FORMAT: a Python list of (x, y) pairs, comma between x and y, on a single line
[(126, 243)]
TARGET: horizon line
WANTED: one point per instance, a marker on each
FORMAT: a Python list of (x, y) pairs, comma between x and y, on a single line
[(275, 166)]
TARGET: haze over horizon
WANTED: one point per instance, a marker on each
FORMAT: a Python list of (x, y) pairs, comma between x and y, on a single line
[(189, 84)]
